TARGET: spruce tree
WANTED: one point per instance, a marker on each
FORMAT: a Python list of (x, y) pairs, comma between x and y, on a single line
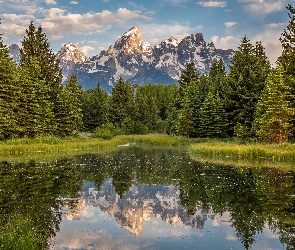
[(95, 108), (186, 119), (8, 94), (188, 76), (287, 59), (146, 108), (36, 45), (122, 102), (213, 118), (275, 113), (34, 114), (70, 108), (245, 81)]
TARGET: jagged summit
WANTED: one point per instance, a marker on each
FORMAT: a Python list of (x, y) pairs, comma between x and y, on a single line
[(131, 42), (71, 52)]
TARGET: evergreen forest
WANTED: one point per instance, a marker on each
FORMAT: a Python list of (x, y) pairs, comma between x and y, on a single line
[(252, 100)]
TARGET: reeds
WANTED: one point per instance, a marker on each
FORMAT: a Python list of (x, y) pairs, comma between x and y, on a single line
[(67, 146), (271, 152)]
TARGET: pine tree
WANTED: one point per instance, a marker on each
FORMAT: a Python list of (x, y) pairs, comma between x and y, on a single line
[(246, 80), (95, 106), (8, 94), (122, 103), (274, 114), (213, 118), (34, 113), (35, 45), (287, 59), (146, 107), (187, 77), (70, 108)]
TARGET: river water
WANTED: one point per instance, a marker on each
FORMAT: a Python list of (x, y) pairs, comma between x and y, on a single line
[(148, 198)]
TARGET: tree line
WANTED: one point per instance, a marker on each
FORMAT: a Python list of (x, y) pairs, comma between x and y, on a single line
[(251, 100)]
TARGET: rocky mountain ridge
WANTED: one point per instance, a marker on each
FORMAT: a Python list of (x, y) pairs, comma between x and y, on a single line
[(137, 61), (139, 205)]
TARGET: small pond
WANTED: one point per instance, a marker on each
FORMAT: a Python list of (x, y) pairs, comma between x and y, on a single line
[(145, 198)]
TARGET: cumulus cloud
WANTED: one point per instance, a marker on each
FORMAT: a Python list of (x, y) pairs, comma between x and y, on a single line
[(250, 1), (87, 49), (265, 7), (230, 24), (50, 2), (155, 33), (270, 40), (276, 25), (228, 42), (176, 2), (73, 2), (212, 4), (57, 22)]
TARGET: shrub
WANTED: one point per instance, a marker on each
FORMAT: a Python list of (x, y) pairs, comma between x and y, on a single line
[(107, 131)]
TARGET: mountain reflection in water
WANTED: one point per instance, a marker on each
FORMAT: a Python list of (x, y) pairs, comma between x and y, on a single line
[(140, 198)]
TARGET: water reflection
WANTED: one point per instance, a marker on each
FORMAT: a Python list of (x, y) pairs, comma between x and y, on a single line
[(147, 199)]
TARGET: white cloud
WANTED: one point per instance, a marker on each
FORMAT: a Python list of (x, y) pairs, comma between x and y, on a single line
[(276, 25), (250, 1), (230, 24), (228, 42), (270, 40), (155, 33), (19, 1), (74, 2), (87, 49), (176, 2), (50, 2), (265, 7), (212, 4), (58, 22)]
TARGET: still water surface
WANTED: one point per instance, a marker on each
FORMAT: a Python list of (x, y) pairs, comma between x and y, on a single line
[(138, 198)]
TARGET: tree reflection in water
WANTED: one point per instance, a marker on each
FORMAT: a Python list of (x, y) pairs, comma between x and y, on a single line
[(166, 183)]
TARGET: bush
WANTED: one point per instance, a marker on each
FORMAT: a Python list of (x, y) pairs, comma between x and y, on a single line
[(128, 126), (140, 128), (107, 131)]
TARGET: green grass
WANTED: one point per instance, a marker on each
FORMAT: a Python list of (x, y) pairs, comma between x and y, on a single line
[(20, 233), (231, 152), (45, 146)]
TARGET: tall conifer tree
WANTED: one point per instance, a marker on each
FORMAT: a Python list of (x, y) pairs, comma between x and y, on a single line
[(287, 59), (274, 114), (8, 94), (122, 103), (95, 106), (246, 80), (70, 115), (36, 45), (35, 113), (147, 111)]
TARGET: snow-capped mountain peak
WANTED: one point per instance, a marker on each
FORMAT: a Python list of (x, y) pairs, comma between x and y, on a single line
[(71, 52)]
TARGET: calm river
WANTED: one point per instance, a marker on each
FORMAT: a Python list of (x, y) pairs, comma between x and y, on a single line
[(140, 198)]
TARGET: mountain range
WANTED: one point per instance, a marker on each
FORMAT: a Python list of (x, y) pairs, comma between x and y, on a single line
[(137, 61)]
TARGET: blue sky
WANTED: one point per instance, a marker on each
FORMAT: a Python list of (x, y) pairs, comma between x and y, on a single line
[(96, 24)]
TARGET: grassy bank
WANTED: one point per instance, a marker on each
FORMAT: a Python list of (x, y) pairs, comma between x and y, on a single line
[(231, 152), (210, 150), (72, 145)]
